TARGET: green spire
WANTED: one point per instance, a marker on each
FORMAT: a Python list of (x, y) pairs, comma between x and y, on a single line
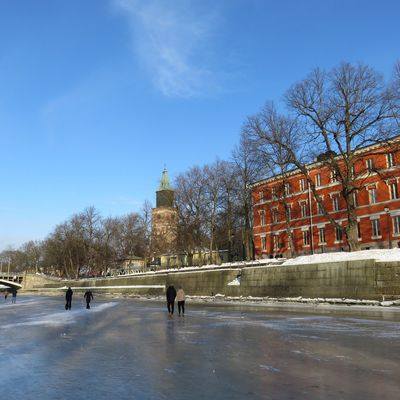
[(164, 185)]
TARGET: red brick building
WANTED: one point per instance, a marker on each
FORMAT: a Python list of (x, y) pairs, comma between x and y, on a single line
[(286, 203)]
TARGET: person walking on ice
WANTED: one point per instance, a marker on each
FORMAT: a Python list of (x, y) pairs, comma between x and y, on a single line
[(180, 298), (14, 295), (88, 297), (68, 298), (171, 294)]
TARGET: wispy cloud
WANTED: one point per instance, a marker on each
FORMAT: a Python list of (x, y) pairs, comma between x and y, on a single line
[(173, 41)]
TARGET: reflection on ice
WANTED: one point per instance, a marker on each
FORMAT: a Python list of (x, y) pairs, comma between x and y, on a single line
[(58, 318), (130, 349)]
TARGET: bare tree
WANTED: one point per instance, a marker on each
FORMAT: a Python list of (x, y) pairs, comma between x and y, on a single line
[(248, 168), (274, 142), (213, 200), (190, 203), (145, 227), (338, 114)]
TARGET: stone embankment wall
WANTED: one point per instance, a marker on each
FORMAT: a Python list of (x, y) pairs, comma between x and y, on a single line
[(364, 279)]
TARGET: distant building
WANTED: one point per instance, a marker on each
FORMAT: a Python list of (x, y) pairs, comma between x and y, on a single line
[(164, 219), (130, 264), (377, 171)]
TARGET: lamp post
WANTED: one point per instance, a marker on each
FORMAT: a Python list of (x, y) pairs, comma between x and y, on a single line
[(387, 211)]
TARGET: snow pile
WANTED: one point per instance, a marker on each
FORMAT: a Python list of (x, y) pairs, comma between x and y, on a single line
[(377, 254), (235, 282)]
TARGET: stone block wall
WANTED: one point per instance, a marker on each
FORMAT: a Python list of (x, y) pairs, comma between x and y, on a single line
[(363, 279)]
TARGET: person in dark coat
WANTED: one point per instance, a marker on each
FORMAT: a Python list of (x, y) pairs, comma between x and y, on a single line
[(171, 294), (68, 298), (13, 294), (88, 297)]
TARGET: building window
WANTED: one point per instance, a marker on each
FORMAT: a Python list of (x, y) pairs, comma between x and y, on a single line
[(358, 230), (273, 191), (274, 215), (276, 242), (390, 160), (318, 180), (338, 234), (306, 238), (334, 177), (263, 243), (302, 184), (373, 196), (353, 172), (396, 225), (261, 196), (394, 194), (303, 209), (289, 213), (335, 200), (376, 228), (262, 217), (320, 209), (287, 188), (322, 239), (355, 199), (370, 164)]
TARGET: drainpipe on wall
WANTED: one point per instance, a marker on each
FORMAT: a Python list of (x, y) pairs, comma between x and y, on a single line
[(311, 221)]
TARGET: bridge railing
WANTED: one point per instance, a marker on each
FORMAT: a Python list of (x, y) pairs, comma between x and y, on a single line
[(12, 278)]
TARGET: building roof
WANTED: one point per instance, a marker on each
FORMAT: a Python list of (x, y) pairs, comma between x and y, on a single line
[(318, 163), (164, 184)]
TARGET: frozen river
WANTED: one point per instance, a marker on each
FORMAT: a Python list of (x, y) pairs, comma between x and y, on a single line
[(129, 349)]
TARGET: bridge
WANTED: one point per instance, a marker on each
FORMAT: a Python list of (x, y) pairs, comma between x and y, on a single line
[(5, 284)]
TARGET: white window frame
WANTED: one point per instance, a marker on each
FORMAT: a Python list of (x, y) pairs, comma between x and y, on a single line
[(261, 194), (322, 235), (262, 217), (289, 213), (390, 160), (376, 228), (373, 195), (318, 180), (306, 238), (273, 193), (355, 198), (335, 202), (393, 190), (302, 185), (396, 225), (334, 177), (287, 188), (338, 235), (263, 243), (274, 215), (353, 171), (303, 209), (275, 240), (369, 162)]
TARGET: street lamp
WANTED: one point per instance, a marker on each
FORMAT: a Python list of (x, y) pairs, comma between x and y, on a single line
[(387, 211)]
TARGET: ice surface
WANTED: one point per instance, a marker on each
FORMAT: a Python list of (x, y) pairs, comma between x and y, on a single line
[(130, 349)]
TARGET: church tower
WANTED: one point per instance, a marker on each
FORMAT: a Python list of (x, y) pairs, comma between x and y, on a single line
[(164, 221)]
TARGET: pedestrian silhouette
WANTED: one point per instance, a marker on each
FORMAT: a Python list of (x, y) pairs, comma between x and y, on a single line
[(68, 298), (14, 295), (171, 294), (180, 298), (88, 297)]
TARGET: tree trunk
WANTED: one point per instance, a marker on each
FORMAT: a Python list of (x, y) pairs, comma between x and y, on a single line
[(352, 231)]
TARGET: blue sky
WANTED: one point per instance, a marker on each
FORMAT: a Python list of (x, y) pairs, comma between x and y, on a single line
[(97, 95)]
